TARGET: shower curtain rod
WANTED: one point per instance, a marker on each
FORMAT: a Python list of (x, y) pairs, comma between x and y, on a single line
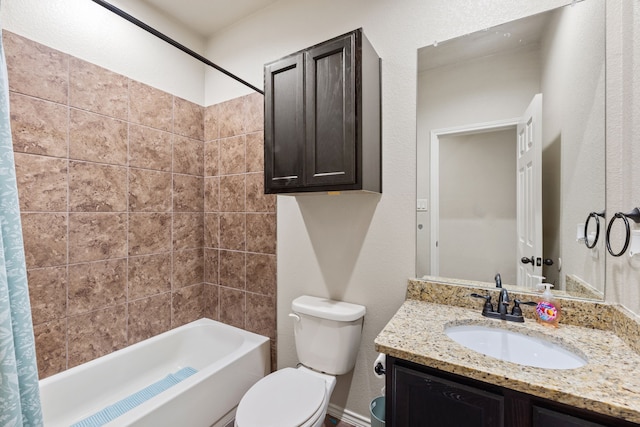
[(172, 42)]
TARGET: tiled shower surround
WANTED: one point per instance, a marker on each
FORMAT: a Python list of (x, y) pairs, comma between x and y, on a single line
[(141, 211)]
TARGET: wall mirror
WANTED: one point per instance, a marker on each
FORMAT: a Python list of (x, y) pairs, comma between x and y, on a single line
[(511, 149)]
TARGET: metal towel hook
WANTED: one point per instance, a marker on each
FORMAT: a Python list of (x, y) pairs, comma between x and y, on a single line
[(596, 216), (635, 216)]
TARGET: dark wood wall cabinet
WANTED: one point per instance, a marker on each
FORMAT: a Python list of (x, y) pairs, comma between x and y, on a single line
[(322, 118), (419, 396)]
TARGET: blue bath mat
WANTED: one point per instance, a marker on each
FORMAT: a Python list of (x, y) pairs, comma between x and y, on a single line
[(113, 411)]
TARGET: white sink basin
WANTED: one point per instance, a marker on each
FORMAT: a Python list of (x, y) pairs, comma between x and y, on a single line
[(515, 347)]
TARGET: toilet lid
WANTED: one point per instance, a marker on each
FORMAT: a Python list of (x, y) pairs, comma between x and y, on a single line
[(287, 397)]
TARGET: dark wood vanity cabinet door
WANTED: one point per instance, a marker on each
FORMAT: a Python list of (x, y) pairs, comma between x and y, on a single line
[(424, 400), (330, 68), (284, 123)]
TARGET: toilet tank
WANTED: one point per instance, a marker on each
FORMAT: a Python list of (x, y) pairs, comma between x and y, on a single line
[(327, 333)]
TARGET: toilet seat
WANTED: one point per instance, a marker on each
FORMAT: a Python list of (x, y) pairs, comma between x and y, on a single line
[(288, 397)]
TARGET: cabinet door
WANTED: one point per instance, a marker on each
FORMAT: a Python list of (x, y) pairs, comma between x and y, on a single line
[(422, 400), (284, 123), (331, 150), (543, 417)]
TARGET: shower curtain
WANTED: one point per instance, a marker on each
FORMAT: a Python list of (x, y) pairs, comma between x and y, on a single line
[(19, 392)]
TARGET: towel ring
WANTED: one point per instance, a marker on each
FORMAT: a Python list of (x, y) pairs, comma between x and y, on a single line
[(635, 216), (596, 216)]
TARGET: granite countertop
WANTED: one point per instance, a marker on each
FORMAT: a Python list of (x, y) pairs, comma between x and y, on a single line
[(608, 384)]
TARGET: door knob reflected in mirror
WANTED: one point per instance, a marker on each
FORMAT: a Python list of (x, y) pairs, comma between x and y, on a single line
[(548, 261)]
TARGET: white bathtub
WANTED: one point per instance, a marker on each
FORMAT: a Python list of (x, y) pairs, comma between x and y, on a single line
[(228, 360)]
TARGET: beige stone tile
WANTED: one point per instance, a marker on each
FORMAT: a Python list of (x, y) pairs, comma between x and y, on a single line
[(261, 315), (232, 269), (150, 106), (97, 236), (188, 119), (45, 239), (212, 158), (97, 138), (188, 156), (96, 187), (261, 233), (188, 304), (232, 307), (257, 201), (254, 112), (232, 231), (148, 317), (35, 69), (211, 127), (51, 347), (188, 231), (255, 152), (188, 193), (232, 193), (149, 275), (42, 183), (97, 285), (97, 89), (233, 155), (231, 117), (47, 293), (149, 233), (188, 268), (149, 191), (150, 148), (212, 230), (212, 301), (261, 274), (95, 334), (39, 127), (212, 194), (211, 265)]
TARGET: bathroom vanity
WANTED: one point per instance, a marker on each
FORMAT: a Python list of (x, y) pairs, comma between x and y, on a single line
[(433, 380)]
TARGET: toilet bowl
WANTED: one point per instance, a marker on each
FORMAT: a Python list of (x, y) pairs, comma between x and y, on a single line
[(288, 397), (327, 335)]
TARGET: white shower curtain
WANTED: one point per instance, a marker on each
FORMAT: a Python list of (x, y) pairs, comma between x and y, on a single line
[(19, 392)]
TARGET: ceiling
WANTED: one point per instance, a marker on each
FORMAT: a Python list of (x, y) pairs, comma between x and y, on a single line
[(206, 17), (502, 38)]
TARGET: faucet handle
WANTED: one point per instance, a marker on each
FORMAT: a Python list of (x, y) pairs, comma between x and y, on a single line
[(516, 310), (488, 307)]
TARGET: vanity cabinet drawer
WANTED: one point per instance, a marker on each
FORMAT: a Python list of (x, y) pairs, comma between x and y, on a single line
[(543, 417), (425, 400)]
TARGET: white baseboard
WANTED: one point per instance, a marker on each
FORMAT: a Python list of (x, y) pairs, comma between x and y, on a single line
[(348, 416)]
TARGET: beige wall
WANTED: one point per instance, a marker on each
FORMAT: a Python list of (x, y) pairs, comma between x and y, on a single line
[(623, 142), (478, 206)]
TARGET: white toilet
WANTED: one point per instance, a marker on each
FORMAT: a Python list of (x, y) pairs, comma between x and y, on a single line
[(327, 335)]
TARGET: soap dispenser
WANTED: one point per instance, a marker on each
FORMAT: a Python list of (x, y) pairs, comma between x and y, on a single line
[(548, 308)]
